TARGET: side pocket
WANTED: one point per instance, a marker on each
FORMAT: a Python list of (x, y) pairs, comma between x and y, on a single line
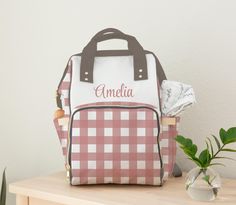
[(61, 125), (169, 130)]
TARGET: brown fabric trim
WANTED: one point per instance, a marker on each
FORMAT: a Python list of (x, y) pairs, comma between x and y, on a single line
[(113, 53), (58, 94), (160, 72), (160, 77), (65, 71), (89, 53), (106, 53), (58, 100)]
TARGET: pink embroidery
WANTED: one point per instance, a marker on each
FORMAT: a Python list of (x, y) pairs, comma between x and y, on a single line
[(123, 91)]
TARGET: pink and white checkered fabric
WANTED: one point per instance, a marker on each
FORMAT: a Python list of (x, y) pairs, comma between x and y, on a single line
[(92, 119), (62, 132), (168, 146), (115, 145)]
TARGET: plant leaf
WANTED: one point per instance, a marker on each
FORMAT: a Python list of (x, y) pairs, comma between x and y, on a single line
[(217, 141), (208, 150), (196, 160), (228, 150), (187, 146), (223, 135), (183, 141), (194, 149), (230, 135), (204, 157), (3, 189), (188, 142), (180, 139), (212, 150), (191, 150)]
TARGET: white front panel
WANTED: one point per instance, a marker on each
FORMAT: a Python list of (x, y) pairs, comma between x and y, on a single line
[(114, 81)]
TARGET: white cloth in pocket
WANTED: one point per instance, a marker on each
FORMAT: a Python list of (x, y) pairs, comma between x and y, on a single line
[(176, 97)]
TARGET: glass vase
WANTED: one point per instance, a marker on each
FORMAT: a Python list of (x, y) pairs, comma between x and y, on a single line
[(203, 184)]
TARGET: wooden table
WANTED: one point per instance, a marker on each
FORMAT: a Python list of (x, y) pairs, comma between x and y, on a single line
[(55, 190)]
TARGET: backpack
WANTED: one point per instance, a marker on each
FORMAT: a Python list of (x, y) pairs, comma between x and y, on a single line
[(109, 122)]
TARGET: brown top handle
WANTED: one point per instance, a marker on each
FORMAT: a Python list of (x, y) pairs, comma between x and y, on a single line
[(107, 31), (89, 53)]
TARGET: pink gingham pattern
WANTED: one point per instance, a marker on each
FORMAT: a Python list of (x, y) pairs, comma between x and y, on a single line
[(168, 146), (62, 132), (166, 138), (115, 145)]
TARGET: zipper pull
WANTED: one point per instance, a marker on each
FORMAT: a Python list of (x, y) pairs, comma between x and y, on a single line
[(59, 113)]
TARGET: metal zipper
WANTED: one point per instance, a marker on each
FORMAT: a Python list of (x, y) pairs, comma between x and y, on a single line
[(68, 168)]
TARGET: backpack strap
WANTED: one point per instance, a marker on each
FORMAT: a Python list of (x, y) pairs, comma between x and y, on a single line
[(89, 53), (107, 31)]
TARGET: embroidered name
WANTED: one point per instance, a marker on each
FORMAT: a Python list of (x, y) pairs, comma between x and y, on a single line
[(123, 91)]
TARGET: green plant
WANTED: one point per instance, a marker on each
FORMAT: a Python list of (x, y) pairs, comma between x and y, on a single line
[(207, 156), (3, 189)]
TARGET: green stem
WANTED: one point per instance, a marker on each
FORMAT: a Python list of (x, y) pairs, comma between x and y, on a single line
[(208, 181), (213, 157)]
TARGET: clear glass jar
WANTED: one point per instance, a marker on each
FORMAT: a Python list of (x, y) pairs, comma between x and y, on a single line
[(203, 184)]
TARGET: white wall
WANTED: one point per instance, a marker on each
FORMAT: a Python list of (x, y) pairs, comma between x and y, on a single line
[(194, 40)]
